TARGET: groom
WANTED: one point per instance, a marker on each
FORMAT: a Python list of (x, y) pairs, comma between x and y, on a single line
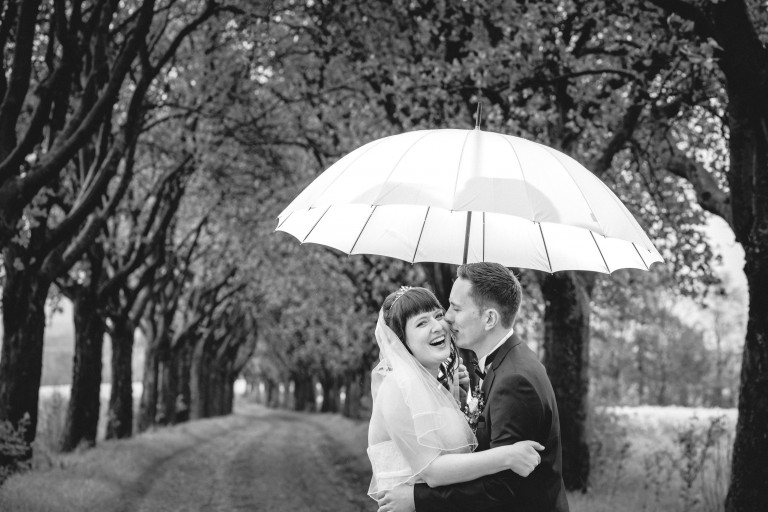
[(519, 404)]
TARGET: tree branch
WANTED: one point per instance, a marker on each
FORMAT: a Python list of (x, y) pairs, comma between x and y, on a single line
[(708, 192), (18, 83)]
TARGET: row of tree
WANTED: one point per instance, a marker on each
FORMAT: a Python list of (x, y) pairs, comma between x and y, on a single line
[(105, 197)]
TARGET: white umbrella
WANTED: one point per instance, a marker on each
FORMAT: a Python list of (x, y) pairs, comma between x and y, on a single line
[(456, 196)]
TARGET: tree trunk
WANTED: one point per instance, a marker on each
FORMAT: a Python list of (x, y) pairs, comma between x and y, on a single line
[(24, 295), (84, 401), (748, 489), (745, 63), (148, 404), (352, 405), (228, 402), (330, 395), (120, 417), (303, 393), (182, 370), (272, 393), (566, 346), (169, 393), (198, 381)]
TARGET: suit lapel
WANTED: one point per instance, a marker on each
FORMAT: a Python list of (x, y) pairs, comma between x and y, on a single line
[(502, 353)]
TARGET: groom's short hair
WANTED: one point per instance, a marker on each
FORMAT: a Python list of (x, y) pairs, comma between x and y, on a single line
[(493, 285)]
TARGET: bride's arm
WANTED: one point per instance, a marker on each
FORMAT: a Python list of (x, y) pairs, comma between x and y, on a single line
[(451, 468)]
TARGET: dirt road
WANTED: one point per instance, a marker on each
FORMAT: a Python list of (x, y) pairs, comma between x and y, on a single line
[(255, 460), (270, 461)]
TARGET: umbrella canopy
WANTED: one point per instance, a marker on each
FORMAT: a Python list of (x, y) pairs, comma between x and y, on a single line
[(456, 196)]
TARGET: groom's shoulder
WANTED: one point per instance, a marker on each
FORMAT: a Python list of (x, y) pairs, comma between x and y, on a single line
[(522, 359)]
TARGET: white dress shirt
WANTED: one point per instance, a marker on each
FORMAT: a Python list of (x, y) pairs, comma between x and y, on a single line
[(481, 361)]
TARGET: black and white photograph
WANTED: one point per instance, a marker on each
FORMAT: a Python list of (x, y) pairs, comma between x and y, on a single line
[(384, 256)]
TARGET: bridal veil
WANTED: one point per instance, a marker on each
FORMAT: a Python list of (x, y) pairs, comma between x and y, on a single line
[(414, 419)]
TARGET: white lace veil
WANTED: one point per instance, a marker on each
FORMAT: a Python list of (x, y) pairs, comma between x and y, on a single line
[(417, 413)]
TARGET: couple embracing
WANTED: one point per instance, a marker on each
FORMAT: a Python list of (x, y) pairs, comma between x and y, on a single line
[(425, 455)]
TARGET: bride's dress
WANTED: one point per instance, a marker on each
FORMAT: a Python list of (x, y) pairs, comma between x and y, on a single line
[(389, 465)]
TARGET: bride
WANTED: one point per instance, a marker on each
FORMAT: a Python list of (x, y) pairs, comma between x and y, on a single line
[(417, 432)]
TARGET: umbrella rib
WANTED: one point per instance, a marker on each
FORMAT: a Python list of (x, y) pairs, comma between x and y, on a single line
[(641, 256), (363, 228), (285, 219), (549, 262), (420, 233), (600, 251), (316, 223)]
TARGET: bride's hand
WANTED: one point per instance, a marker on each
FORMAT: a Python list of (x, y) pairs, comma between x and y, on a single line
[(523, 457)]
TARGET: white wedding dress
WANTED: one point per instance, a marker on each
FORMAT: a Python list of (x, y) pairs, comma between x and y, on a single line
[(414, 419)]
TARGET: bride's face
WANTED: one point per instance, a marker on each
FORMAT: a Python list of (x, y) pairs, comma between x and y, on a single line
[(426, 334)]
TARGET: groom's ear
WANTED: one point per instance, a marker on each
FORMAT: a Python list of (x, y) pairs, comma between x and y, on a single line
[(491, 318)]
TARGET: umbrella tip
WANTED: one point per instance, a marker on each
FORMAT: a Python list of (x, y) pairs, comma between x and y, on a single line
[(477, 116)]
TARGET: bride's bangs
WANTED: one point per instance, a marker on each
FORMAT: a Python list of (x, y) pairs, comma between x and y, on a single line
[(415, 302)]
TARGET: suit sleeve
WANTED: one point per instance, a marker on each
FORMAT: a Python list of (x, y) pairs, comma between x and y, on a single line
[(515, 414)]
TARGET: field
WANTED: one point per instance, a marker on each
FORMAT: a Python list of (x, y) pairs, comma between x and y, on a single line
[(644, 459)]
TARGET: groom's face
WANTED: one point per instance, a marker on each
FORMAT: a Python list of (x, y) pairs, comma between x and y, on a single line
[(464, 316)]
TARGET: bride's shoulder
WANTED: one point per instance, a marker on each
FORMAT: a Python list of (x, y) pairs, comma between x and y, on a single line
[(390, 395)]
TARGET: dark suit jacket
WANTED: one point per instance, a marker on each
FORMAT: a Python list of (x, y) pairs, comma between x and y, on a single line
[(519, 404)]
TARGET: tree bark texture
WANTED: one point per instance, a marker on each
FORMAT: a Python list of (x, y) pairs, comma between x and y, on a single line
[(749, 472), (182, 370), (168, 391), (84, 402), (353, 387), (24, 295), (149, 392), (120, 417), (198, 380), (748, 178), (330, 395), (566, 346), (303, 392), (744, 61)]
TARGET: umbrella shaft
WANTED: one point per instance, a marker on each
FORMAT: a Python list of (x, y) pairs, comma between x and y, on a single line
[(466, 237)]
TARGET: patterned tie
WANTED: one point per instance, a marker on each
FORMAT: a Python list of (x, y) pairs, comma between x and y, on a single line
[(476, 368), (488, 360)]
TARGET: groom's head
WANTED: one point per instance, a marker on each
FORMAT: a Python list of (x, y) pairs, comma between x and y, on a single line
[(484, 301)]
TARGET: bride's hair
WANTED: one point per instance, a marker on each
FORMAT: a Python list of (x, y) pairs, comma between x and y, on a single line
[(403, 304)]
